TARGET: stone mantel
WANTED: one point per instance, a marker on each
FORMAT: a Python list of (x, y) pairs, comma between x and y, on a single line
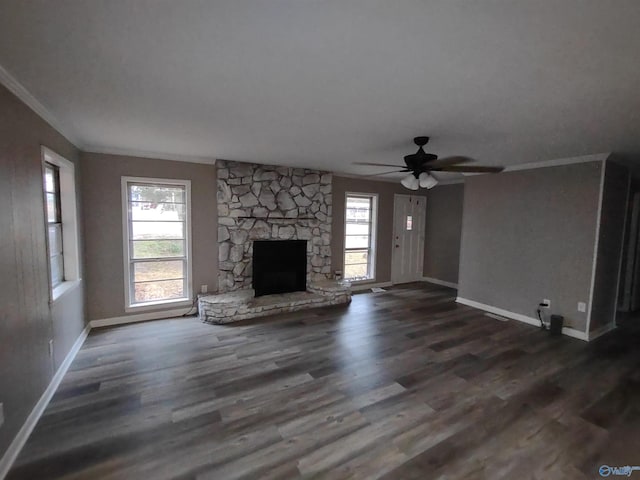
[(263, 202)]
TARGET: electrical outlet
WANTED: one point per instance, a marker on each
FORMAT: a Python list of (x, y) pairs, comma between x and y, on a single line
[(582, 307), (548, 302), (204, 288), (1, 414)]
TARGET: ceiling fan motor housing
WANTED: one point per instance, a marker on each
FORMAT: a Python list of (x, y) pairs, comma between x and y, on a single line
[(417, 160)]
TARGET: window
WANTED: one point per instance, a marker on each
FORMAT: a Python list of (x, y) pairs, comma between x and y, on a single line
[(54, 223), (157, 241), (359, 242), (61, 222)]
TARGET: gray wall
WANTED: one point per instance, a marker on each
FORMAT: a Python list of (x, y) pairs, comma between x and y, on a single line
[(443, 231), (386, 192), (101, 194), (27, 321), (529, 235), (612, 220)]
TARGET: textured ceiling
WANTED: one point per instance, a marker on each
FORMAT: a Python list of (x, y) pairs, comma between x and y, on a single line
[(323, 83)]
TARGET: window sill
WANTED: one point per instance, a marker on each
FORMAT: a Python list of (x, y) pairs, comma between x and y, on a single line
[(64, 288), (177, 302), (362, 281)]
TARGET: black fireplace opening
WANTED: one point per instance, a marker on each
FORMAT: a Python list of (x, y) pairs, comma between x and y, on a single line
[(279, 266)]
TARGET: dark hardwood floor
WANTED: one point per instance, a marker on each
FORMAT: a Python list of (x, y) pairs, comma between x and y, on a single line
[(399, 385)]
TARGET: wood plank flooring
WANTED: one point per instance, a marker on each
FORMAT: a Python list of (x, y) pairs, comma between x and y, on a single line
[(399, 385)]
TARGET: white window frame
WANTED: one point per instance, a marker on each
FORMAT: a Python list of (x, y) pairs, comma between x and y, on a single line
[(372, 236), (126, 234), (69, 216)]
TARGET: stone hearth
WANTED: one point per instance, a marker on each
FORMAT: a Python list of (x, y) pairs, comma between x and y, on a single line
[(242, 305), (261, 202)]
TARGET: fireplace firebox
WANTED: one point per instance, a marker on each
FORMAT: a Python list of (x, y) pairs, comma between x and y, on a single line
[(279, 266)]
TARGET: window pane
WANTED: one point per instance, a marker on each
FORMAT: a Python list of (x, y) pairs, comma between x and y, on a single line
[(160, 290), (357, 229), (55, 239), (158, 248), (356, 257), (156, 193), (147, 271), (358, 209), (356, 272), (49, 180), (52, 208), (57, 269), (356, 241), (157, 211), (162, 230)]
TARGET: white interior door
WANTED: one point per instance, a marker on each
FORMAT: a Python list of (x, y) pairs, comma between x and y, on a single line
[(409, 214)]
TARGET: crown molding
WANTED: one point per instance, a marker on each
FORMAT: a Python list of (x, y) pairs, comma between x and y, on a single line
[(452, 181), (364, 177), (153, 155), (596, 157), (15, 87)]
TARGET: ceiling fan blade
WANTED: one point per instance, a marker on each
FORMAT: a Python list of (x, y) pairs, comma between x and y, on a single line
[(449, 161), (378, 164), (384, 173), (470, 169)]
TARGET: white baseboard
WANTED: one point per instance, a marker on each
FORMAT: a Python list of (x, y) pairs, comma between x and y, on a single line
[(23, 434), (601, 331), (139, 317), (359, 287), (440, 282), (570, 332)]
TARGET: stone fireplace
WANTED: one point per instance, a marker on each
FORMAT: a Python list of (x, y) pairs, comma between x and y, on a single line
[(261, 202), (274, 238)]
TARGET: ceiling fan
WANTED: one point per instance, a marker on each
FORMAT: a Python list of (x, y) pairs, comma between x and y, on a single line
[(420, 164)]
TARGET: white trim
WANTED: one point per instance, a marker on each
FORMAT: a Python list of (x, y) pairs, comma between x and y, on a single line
[(570, 332), (140, 317), (43, 112), (596, 244), (360, 287), (128, 306), (601, 331), (440, 282), (123, 152), (65, 287), (598, 157), (23, 434)]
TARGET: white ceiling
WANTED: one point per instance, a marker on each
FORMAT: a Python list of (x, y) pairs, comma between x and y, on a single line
[(323, 83)]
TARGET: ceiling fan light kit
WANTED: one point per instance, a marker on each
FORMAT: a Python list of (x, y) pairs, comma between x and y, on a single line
[(421, 163), (410, 182), (427, 181)]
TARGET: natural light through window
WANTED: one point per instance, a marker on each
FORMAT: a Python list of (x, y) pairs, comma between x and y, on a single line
[(359, 241), (157, 243), (54, 222), (59, 188)]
